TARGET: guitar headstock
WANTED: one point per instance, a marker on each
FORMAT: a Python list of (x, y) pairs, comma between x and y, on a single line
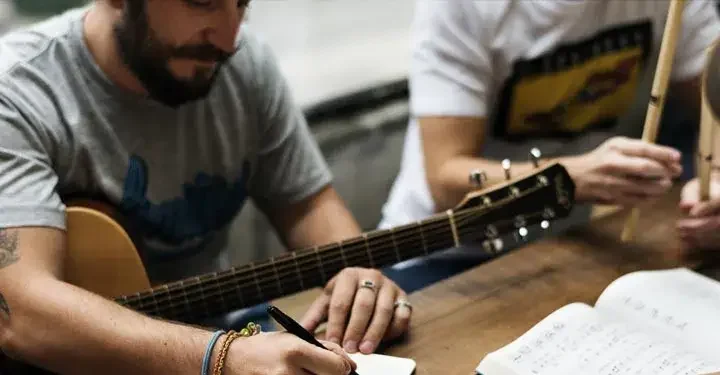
[(540, 197)]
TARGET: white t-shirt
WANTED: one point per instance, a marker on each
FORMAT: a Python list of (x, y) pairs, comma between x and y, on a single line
[(562, 75)]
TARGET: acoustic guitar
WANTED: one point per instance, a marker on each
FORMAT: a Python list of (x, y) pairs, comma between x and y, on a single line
[(103, 259)]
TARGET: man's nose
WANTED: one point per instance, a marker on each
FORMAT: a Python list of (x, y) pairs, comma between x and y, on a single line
[(226, 23)]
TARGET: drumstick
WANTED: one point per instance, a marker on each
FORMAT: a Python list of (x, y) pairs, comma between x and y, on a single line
[(708, 122), (657, 95)]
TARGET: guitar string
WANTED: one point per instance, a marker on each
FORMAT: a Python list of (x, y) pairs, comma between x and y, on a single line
[(210, 309), (309, 256), (280, 272), (302, 258), (212, 297), (332, 255), (213, 293), (283, 272), (442, 220), (217, 292), (245, 284), (342, 256), (274, 276), (202, 289)]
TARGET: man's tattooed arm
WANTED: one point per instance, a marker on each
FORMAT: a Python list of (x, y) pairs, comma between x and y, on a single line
[(8, 247), (4, 309), (8, 256)]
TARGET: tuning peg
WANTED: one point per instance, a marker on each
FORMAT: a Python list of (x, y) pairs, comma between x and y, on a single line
[(477, 178), (506, 168), (493, 246), (548, 213), (520, 224), (522, 233), (535, 155)]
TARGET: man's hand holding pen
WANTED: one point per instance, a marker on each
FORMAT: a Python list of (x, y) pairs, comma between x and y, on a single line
[(285, 353)]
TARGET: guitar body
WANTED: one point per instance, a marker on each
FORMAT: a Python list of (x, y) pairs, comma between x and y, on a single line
[(101, 259), (101, 256)]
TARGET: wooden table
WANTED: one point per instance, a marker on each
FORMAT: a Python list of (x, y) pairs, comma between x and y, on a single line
[(458, 321)]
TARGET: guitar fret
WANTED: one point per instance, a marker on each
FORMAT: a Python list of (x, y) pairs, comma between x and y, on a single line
[(188, 307), (322, 267), (456, 238), (277, 276), (170, 299), (257, 282), (397, 250), (342, 254), (155, 301), (369, 253), (297, 270), (139, 300), (198, 282), (220, 294), (422, 237), (238, 287)]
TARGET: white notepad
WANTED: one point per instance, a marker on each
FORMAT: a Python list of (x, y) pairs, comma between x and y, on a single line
[(378, 364)]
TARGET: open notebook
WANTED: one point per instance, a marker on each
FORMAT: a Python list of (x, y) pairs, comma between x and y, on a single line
[(647, 322)]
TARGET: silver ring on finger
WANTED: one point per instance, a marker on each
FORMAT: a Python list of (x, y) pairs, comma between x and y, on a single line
[(403, 303), (369, 284)]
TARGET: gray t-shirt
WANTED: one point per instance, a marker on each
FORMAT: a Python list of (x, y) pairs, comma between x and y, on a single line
[(179, 175)]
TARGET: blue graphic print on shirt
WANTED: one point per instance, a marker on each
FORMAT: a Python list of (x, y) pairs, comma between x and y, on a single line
[(207, 204)]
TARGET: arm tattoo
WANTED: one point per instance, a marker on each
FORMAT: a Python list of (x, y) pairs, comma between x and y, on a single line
[(4, 309), (8, 247)]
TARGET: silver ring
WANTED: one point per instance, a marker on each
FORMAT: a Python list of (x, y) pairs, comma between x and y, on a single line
[(403, 303), (368, 284)]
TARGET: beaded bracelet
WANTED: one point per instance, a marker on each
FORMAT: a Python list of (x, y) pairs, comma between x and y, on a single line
[(251, 329), (208, 352)]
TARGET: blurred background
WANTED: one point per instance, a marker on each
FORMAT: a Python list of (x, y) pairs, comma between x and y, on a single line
[(346, 62)]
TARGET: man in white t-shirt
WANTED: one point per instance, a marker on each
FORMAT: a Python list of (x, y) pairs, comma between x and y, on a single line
[(490, 80)]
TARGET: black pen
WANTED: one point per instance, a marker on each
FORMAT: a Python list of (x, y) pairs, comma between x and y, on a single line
[(295, 328)]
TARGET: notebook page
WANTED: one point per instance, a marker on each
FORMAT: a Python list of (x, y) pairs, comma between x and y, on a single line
[(679, 304), (576, 339), (378, 364)]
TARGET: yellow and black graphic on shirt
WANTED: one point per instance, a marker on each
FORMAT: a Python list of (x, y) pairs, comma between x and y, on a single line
[(575, 87)]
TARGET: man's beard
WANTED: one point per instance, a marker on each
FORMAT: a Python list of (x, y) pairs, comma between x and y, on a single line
[(148, 58)]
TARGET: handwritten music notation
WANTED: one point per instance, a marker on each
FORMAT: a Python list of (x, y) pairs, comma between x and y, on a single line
[(588, 343), (653, 312)]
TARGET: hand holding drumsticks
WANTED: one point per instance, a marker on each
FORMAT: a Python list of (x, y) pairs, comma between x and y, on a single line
[(659, 89)]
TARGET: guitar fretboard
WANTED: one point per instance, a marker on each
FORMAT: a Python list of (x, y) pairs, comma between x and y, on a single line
[(538, 198), (244, 286)]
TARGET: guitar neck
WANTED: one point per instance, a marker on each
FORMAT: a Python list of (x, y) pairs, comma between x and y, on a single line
[(244, 286), (538, 198)]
